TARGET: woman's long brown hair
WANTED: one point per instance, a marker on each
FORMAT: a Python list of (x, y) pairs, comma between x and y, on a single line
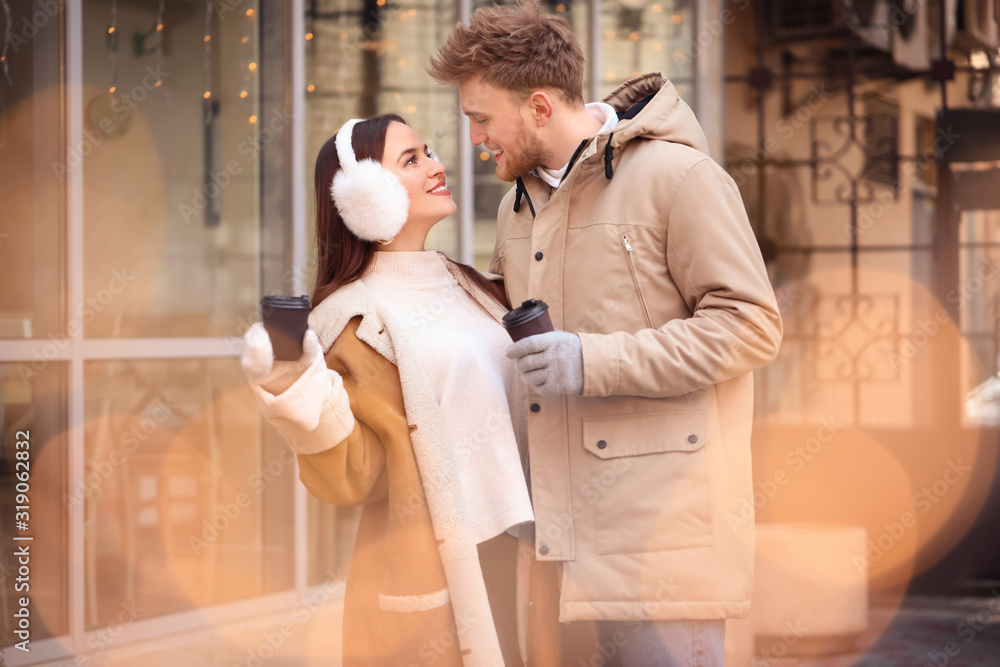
[(343, 258)]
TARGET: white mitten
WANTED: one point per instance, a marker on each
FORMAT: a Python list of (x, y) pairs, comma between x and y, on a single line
[(303, 392), (260, 366)]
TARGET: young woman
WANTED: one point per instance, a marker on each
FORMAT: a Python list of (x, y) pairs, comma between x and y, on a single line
[(404, 401)]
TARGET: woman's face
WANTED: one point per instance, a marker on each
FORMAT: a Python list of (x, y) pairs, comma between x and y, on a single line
[(423, 177)]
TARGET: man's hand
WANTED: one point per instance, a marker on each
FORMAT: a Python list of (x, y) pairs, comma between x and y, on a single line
[(550, 363)]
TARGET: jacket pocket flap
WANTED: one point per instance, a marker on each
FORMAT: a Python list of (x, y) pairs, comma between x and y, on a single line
[(651, 433)]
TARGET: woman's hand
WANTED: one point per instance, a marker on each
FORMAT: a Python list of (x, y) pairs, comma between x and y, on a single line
[(303, 393), (260, 366)]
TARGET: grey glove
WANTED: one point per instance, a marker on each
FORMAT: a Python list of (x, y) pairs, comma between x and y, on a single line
[(550, 363)]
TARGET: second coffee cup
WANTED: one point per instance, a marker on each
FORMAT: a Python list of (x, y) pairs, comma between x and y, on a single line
[(528, 319)]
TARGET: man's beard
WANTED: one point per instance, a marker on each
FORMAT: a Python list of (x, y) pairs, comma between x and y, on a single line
[(530, 154)]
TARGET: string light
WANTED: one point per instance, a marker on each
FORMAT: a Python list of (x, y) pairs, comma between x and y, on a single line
[(309, 36), (111, 44), (207, 60), (247, 64), (160, 56), (311, 88), (253, 119)]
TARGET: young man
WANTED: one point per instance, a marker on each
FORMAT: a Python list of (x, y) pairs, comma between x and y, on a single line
[(642, 398)]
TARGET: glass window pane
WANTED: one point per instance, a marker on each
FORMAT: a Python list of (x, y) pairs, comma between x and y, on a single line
[(366, 58), (33, 411), (639, 37), (32, 173), (183, 123), (187, 503)]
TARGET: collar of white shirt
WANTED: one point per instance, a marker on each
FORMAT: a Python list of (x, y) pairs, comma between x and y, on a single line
[(602, 112)]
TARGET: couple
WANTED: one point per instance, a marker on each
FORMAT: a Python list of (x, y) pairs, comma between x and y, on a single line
[(512, 491)]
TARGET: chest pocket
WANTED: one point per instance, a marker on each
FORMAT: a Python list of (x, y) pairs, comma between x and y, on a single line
[(649, 481)]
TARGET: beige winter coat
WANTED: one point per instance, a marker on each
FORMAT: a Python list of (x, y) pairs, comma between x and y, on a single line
[(415, 591), (645, 251)]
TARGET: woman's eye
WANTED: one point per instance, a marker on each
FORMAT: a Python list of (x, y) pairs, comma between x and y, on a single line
[(432, 155)]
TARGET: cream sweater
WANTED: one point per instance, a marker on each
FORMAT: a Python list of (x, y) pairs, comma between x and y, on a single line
[(462, 350)]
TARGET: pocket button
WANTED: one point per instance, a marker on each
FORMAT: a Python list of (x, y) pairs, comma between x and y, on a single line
[(601, 444), (692, 438)]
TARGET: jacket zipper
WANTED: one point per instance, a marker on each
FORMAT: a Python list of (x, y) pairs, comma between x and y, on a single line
[(635, 279)]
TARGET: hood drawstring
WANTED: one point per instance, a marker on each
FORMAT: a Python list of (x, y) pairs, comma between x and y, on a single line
[(609, 153), (519, 190)]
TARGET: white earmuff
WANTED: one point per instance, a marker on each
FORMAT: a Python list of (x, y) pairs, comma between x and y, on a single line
[(369, 197)]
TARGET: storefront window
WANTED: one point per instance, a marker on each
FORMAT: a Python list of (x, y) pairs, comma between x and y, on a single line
[(32, 174), (186, 505), (178, 135)]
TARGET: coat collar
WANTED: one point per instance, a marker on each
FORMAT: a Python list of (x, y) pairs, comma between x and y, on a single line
[(329, 318)]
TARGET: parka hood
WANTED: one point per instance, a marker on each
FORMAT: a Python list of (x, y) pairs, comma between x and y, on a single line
[(648, 107), (665, 116)]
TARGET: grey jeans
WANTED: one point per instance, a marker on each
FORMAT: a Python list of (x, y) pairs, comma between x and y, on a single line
[(659, 644)]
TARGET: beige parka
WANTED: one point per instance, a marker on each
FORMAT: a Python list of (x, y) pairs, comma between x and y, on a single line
[(646, 252)]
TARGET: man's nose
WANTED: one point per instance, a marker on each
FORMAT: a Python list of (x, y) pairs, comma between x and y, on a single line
[(476, 136)]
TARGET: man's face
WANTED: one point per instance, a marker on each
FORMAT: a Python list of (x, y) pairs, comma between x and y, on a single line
[(497, 120)]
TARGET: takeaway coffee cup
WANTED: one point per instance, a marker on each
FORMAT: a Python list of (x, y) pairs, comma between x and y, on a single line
[(528, 319), (285, 320)]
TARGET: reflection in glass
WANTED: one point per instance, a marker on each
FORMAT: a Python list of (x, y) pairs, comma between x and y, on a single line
[(33, 169), (180, 130), (366, 58), (187, 504), (33, 411), (639, 37)]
